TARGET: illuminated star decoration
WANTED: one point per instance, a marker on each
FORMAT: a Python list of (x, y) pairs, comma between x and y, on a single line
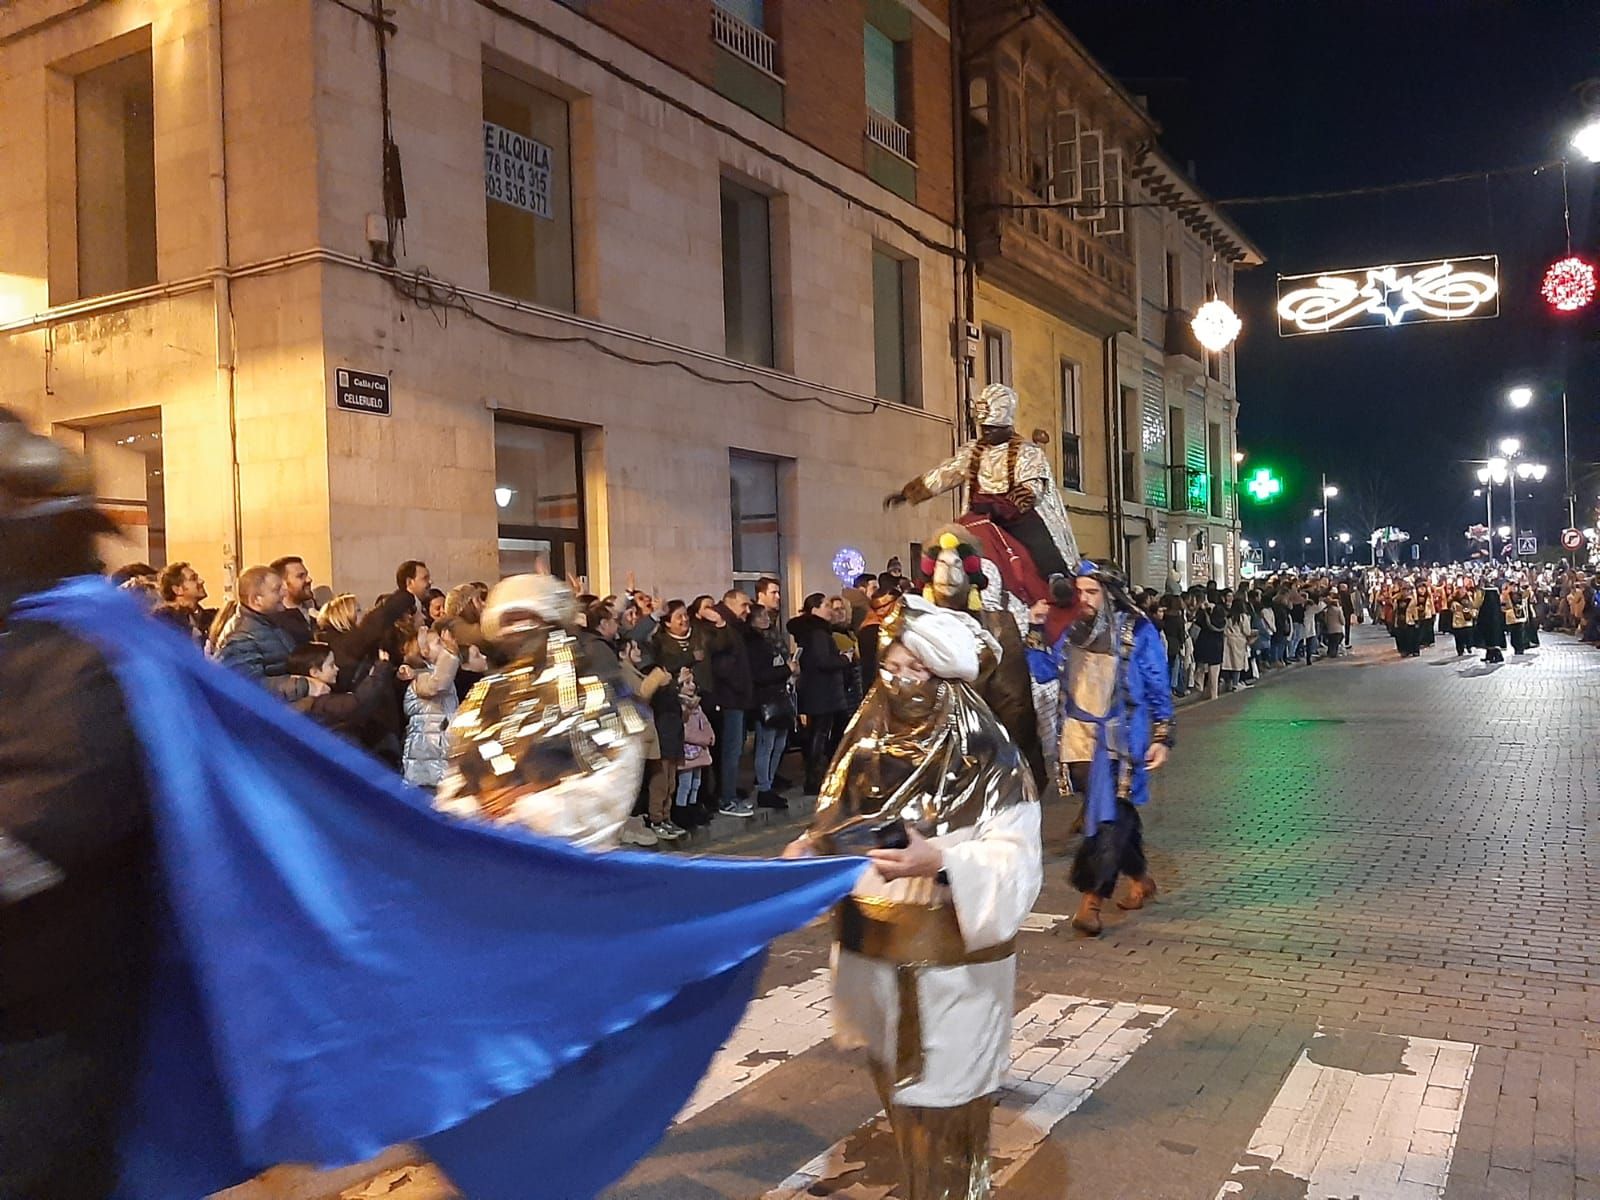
[(1568, 285), (1215, 325), (1437, 291)]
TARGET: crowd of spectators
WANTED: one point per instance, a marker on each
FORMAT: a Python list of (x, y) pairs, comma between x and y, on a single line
[(732, 684)]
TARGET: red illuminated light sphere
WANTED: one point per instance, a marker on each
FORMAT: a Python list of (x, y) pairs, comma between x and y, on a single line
[(1568, 285)]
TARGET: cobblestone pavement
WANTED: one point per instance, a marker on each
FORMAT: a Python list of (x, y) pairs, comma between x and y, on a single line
[(1372, 973)]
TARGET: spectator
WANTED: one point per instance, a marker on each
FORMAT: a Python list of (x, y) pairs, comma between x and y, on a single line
[(344, 713), (298, 617), (651, 684), (140, 581), (435, 602), (844, 636), (1236, 634), (1210, 622), (256, 646), (772, 707), (430, 702), (1175, 629), (867, 636), (183, 595), (1334, 617), (412, 577), (859, 597), (820, 688), (698, 738), (733, 692)]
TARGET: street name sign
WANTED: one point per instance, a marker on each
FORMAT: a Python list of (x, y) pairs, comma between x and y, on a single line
[(361, 391)]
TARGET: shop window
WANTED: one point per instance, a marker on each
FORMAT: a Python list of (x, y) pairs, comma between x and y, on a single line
[(756, 518), (124, 452), (746, 274), (894, 333), (527, 191), (115, 176), (539, 496)]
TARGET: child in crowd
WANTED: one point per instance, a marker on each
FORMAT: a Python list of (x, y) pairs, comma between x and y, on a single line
[(344, 713), (430, 703), (698, 738)]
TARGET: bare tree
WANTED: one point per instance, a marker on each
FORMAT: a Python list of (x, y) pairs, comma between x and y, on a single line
[(1372, 502)]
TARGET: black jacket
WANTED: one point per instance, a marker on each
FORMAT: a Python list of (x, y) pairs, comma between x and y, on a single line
[(731, 685), (259, 650), (1208, 640), (820, 687), (769, 670)]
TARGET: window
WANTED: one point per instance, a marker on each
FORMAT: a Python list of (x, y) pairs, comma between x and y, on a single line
[(1132, 425), (884, 64), (539, 494), (124, 451), (894, 333), (114, 149), (527, 191), (1172, 280), (1071, 448), (748, 11), (1177, 468), (757, 526), (746, 274), (1067, 179), (1091, 167), (1113, 220), (996, 355), (1215, 470)]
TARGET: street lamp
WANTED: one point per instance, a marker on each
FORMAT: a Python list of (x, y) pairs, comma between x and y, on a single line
[(1510, 446), (1586, 141), (1522, 396), (1328, 493)]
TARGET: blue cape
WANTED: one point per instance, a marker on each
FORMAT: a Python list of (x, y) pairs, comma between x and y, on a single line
[(346, 969)]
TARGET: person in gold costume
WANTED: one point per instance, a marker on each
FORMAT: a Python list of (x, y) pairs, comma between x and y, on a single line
[(547, 741), (931, 787)]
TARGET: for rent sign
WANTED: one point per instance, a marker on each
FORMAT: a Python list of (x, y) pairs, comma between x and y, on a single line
[(516, 170)]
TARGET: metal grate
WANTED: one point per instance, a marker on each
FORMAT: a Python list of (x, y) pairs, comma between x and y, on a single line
[(743, 40)]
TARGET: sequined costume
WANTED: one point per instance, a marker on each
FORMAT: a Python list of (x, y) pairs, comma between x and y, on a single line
[(925, 968), (548, 741), (1008, 481)]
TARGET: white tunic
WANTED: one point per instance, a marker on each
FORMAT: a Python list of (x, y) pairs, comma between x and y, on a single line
[(995, 870)]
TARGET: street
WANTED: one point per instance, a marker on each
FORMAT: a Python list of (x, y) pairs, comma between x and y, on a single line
[(1370, 972)]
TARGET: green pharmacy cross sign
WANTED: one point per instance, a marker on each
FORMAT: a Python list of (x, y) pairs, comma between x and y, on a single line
[(1263, 485)]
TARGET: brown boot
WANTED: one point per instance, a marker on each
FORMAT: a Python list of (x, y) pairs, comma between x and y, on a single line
[(1140, 890), (1087, 918)]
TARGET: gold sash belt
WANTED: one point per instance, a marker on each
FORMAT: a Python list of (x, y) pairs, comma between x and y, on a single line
[(909, 937)]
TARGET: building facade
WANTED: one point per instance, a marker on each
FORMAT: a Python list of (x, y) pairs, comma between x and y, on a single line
[(1073, 247), (605, 287)]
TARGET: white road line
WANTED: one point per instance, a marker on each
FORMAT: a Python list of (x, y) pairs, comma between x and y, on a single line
[(780, 1026), (1062, 1049), (1344, 1132)]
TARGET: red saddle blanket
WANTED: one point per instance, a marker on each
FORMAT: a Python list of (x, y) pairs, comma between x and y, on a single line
[(1017, 572)]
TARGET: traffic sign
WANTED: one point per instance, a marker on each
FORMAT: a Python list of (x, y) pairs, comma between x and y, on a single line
[(1527, 543), (1572, 539)]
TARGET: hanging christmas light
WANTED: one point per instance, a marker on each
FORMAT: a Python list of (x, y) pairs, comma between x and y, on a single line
[(1568, 285), (1215, 325)]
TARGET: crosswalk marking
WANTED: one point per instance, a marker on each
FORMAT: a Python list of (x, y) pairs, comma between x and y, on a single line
[(1062, 1049), (1344, 1131), (781, 1025)]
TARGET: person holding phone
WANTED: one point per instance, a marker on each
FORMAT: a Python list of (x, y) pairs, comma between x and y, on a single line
[(930, 788)]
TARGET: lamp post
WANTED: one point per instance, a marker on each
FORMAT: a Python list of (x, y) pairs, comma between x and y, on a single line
[(1522, 396), (1489, 475), (1328, 493), (1511, 448)]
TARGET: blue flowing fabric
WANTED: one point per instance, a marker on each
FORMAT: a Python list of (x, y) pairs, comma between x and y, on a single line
[(346, 969)]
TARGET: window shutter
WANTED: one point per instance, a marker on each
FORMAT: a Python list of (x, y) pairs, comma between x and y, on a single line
[(1113, 221), (1067, 178)]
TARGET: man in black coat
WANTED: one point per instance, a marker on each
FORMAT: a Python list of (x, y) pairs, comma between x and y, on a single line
[(76, 858), (733, 692)]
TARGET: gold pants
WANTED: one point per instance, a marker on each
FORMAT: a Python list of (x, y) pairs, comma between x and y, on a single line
[(944, 1152)]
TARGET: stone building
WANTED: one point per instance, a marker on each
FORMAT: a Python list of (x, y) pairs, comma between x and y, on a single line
[(1072, 301), (611, 287)]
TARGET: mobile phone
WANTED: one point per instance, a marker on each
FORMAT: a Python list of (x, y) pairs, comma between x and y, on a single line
[(865, 835)]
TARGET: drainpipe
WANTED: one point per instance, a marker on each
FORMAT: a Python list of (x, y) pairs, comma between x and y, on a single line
[(221, 288), (1114, 450), (961, 266)]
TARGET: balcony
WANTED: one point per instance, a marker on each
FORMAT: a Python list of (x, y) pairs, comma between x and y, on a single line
[(745, 42), (890, 134), (1047, 257)]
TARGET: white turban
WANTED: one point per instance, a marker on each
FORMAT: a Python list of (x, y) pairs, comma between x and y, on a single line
[(946, 641), (996, 405)]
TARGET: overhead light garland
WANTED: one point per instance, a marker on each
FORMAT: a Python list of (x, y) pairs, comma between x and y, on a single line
[(1215, 325), (1569, 283)]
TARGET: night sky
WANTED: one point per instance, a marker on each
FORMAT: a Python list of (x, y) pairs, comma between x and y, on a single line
[(1275, 96)]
